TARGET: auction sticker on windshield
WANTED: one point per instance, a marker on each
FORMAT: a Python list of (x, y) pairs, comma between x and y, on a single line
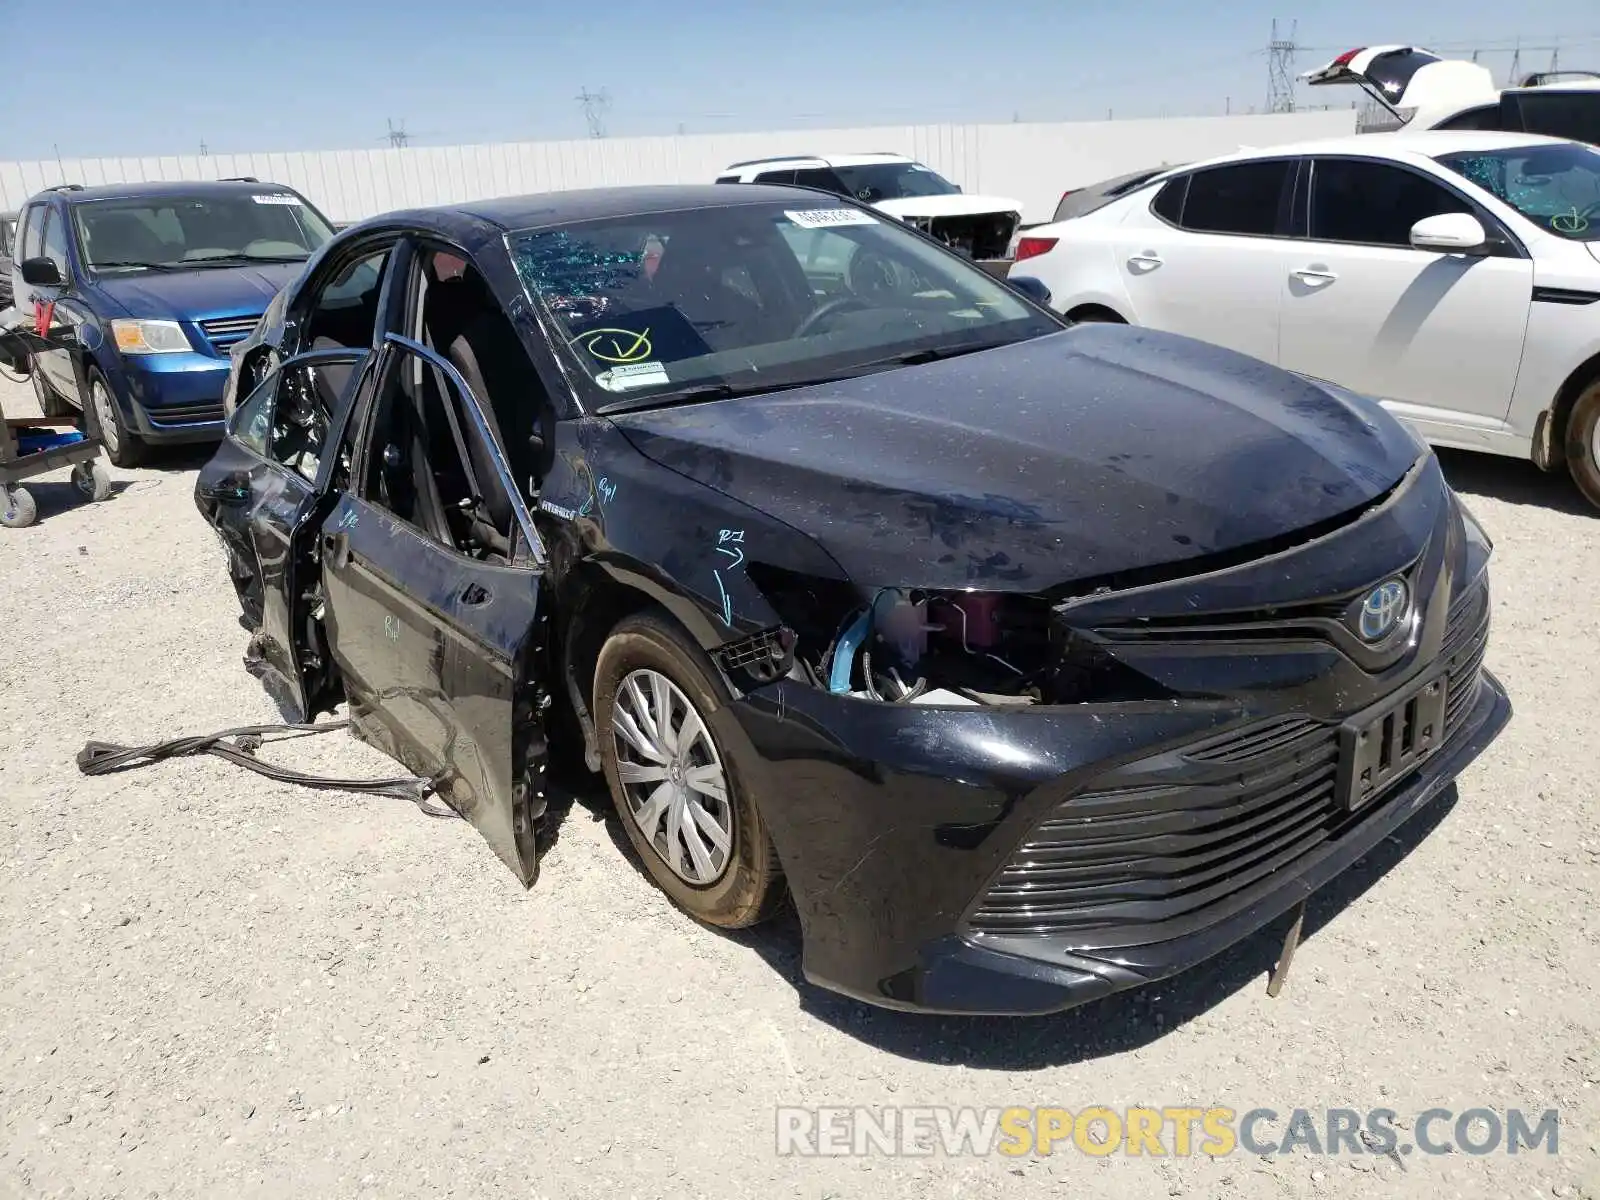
[(620, 379), (829, 218), (277, 198)]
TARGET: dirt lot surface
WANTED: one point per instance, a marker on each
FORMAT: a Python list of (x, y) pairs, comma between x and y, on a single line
[(213, 985)]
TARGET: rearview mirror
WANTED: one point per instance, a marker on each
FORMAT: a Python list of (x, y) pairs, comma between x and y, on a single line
[(1033, 289), (41, 272), (1450, 233)]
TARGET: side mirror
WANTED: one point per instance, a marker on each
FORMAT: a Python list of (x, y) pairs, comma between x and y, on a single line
[(40, 272), (1450, 233), (1033, 289)]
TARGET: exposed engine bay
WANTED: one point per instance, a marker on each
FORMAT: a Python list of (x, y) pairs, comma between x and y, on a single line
[(981, 237), (914, 646)]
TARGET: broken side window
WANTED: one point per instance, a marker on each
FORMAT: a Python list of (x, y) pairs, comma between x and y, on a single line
[(286, 418), (429, 465)]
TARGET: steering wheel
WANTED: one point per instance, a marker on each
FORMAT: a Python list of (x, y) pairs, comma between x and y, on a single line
[(828, 309)]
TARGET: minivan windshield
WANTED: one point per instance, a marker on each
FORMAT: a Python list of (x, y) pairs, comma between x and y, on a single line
[(1557, 187), (757, 297), (182, 232)]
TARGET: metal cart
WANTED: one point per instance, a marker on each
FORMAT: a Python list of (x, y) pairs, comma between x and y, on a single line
[(27, 449)]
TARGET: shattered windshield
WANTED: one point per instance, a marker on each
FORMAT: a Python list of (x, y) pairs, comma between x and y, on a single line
[(893, 181), (151, 233), (756, 297), (1555, 187)]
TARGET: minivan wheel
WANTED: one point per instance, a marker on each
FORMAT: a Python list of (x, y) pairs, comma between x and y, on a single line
[(51, 403), (679, 790), (123, 447), (1583, 443)]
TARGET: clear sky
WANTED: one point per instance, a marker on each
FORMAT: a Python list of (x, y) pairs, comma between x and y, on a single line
[(329, 74)]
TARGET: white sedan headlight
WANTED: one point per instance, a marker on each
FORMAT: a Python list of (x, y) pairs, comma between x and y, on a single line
[(150, 337)]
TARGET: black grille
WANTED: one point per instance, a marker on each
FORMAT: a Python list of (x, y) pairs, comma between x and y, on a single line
[(764, 656), (1466, 640), (1153, 855), (225, 331), (1156, 854), (185, 414)]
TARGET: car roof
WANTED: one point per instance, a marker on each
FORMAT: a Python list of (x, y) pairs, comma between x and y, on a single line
[(588, 204), (820, 160), (1403, 144), (128, 191)]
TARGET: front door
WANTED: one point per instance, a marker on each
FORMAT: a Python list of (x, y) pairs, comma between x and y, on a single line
[(262, 491), (1437, 337), (432, 614), (53, 317)]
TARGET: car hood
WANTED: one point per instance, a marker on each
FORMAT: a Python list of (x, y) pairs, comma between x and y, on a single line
[(199, 294), (1091, 452), (958, 205)]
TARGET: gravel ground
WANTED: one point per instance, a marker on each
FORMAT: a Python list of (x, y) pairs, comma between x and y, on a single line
[(213, 984)]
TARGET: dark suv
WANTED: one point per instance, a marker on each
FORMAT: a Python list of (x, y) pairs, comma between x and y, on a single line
[(132, 294)]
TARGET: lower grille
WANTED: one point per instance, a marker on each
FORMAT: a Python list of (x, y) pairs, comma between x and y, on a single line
[(1159, 855), (185, 414), (225, 331), (1154, 854)]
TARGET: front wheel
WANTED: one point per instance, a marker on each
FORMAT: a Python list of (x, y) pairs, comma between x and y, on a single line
[(679, 790), (123, 447), (1583, 443)]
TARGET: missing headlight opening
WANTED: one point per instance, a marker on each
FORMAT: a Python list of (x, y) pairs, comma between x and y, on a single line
[(911, 646)]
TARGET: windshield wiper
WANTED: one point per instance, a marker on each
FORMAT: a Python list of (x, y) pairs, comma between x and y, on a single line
[(129, 264), (709, 391), (235, 259)]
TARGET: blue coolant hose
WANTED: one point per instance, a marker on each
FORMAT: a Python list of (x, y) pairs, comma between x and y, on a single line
[(844, 652)]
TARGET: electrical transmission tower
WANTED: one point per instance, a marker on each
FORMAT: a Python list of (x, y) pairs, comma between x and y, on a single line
[(1280, 70), (397, 137), (595, 105)]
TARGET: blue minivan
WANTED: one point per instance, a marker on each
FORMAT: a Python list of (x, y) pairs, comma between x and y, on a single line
[(130, 296)]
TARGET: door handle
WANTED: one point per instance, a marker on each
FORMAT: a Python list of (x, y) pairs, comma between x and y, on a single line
[(1149, 260), (336, 548), (1313, 276)]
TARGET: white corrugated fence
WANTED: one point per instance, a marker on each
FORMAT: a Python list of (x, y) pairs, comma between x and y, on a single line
[(1032, 163)]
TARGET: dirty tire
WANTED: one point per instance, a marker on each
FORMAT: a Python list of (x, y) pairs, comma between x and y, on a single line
[(1583, 443), (17, 508), (51, 404), (750, 888), (105, 421), (92, 480)]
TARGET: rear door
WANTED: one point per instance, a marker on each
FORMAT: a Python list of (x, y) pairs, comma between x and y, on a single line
[(1438, 337), (436, 625), (1204, 259), (263, 491)]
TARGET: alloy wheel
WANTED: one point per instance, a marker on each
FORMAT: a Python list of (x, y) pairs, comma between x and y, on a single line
[(672, 777)]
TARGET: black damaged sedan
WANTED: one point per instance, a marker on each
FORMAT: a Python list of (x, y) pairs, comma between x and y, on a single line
[(1029, 662)]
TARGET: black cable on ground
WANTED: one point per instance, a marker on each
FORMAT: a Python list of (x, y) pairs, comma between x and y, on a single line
[(104, 758)]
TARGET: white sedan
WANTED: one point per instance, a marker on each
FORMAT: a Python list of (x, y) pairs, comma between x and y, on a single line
[(1455, 276)]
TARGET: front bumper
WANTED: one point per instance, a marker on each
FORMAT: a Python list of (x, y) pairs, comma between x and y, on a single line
[(176, 398), (898, 827)]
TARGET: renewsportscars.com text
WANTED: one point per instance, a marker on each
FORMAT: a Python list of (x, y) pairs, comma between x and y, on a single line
[(1100, 1131)]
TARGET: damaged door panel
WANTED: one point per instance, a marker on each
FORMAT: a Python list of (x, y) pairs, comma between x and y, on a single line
[(263, 490), (435, 619)]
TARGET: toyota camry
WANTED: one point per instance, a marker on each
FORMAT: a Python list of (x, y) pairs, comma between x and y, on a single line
[(1028, 662)]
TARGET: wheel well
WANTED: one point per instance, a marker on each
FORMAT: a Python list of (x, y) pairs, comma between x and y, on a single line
[(1566, 401), (1095, 312), (594, 603)]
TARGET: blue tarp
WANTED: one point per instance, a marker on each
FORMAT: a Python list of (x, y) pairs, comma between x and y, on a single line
[(36, 443)]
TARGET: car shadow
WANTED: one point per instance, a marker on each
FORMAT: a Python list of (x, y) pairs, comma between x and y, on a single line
[(1115, 1025), (1513, 481)]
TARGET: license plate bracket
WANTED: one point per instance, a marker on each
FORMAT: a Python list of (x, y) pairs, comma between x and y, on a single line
[(1388, 741)]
